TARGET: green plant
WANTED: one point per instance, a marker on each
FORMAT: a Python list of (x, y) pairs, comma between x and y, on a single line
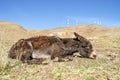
[(90, 78)]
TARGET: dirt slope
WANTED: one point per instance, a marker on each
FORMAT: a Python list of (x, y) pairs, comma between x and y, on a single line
[(12, 31)]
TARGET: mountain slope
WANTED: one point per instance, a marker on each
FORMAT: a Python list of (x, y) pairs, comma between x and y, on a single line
[(12, 31)]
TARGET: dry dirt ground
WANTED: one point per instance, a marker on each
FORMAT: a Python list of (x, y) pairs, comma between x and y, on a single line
[(106, 42)]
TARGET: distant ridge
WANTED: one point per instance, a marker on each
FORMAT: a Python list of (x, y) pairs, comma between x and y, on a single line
[(10, 25), (13, 31)]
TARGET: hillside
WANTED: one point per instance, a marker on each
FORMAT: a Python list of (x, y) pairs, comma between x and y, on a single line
[(106, 42), (12, 31)]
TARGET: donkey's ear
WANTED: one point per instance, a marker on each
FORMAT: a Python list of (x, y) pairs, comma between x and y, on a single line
[(79, 37), (76, 34)]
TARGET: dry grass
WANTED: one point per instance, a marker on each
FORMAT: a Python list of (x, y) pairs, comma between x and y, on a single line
[(105, 41)]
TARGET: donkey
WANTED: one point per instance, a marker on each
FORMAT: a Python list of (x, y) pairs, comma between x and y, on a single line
[(85, 47), (38, 49)]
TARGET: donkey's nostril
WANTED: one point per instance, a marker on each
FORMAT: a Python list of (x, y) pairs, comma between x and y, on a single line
[(94, 56)]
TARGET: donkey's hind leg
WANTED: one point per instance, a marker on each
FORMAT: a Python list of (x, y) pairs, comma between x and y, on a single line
[(37, 61)]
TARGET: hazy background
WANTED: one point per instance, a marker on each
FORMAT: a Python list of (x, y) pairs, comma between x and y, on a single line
[(47, 14)]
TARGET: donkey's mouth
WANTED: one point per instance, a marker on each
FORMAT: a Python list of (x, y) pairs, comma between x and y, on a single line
[(93, 55)]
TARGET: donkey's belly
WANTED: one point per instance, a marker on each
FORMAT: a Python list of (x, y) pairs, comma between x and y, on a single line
[(40, 54)]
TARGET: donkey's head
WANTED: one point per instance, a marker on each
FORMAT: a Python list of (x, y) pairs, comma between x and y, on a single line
[(85, 47)]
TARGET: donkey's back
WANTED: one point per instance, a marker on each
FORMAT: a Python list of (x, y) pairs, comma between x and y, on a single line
[(37, 49)]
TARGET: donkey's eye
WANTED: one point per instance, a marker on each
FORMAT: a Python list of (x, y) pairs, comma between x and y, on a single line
[(87, 47), (83, 46)]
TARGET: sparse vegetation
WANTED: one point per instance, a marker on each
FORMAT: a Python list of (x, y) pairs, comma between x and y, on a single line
[(106, 67)]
